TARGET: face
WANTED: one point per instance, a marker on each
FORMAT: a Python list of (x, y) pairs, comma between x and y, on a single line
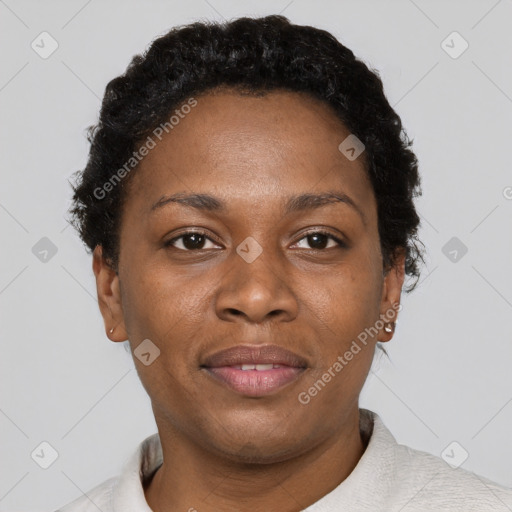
[(250, 258)]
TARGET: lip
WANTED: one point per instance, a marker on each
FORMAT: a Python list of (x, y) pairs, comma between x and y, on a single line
[(225, 367), (254, 354)]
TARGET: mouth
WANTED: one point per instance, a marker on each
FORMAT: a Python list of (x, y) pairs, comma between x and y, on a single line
[(255, 371)]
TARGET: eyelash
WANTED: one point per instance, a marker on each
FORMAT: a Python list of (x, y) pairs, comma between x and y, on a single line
[(340, 242)]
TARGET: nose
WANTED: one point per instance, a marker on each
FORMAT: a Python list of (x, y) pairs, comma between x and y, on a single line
[(255, 292)]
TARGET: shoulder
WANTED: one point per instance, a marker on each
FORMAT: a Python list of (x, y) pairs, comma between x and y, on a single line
[(428, 481), (411, 480), (125, 492), (98, 498)]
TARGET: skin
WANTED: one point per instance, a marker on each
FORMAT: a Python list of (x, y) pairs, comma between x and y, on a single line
[(253, 154)]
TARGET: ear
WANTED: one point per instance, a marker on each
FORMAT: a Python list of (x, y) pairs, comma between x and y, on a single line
[(391, 292), (109, 296)]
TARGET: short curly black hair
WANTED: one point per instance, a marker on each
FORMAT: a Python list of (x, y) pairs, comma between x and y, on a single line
[(255, 55)]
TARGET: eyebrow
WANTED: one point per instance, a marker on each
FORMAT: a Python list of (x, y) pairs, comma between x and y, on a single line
[(301, 202)]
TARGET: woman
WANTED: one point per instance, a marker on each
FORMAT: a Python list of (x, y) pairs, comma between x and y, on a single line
[(248, 201)]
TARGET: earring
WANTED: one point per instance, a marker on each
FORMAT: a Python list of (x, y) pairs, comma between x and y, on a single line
[(111, 330), (388, 327)]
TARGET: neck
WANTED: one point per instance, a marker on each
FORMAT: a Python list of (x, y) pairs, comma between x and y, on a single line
[(192, 478)]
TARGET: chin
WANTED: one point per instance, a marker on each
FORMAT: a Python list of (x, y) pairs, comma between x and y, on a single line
[(268, 446), (252, 453)]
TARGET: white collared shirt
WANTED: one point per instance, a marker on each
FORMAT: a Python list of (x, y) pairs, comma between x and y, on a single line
[(389, 477)]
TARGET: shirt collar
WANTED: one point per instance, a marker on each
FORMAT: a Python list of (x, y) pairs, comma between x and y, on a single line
[(128, 493)]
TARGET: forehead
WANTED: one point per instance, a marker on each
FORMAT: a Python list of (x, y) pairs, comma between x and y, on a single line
[(246, 148)]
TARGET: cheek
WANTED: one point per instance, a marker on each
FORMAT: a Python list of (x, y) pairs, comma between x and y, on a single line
[(347, 299), (343, 307), (170, 312), (163, 303)]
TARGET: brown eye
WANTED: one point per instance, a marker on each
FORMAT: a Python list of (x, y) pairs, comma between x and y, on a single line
[(191, 241), (320, 240)]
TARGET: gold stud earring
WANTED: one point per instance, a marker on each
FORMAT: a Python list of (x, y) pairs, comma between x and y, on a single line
[(388, 327)]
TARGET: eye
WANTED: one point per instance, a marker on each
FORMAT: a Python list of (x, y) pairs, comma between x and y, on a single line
[(320, 240), (190, 241)]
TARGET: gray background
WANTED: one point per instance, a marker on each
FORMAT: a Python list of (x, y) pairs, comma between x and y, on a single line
[(63, 382)]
